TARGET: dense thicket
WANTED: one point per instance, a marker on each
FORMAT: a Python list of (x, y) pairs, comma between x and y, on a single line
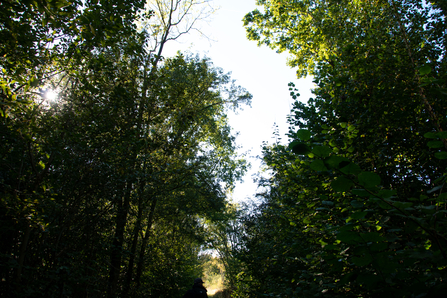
[(355, 206), (106, 191)]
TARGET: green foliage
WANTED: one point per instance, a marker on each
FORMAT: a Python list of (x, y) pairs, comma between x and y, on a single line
[(214, 272), (106, 191), (355, 204)]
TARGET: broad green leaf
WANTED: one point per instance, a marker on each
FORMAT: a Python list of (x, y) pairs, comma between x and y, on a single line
[(435, 144), (361, 192), (322, 209), (341, 184), (369, 179), (382, 204), (351, 127), (358, 215), (441, 155), (378, 246), (421, 254), (431, 135), (426, 69), (349, 237), (322, 151), (351, 168), (327, 203), (369, 280), (363, 260), (442, 197), (335, 160), (436, 188), (387, 193), (372, 237), (401, 205), (303, 134), (299, 148), (357, 204), (318, 165)]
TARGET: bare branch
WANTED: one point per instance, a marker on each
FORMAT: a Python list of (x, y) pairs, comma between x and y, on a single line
[(173, 19)]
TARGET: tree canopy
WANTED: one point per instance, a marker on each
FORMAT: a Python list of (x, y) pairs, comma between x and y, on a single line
[(119, 186), (105, 191), (355, 204)]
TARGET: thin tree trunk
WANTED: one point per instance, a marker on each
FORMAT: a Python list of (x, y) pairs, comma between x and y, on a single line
[(118, 241), (140, 265), (133, 249)]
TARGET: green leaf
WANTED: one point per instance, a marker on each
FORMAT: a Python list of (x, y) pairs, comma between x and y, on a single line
[(387, 193), (382, 204), (351, 127), (341, 184), (435, 144), (369, 179), (318, 165), (441, 155), (380, 246), (442, 197), (327, 203), (357, 204), (349, 237), (421, 254), (430, 135), (369, 280), (335, 160), (303, 134), (361, 192), (362, 261), (351, 168), (436, 188), (322, 151), (426, 69), (299, 148), (372, 237), (358, 215), (401, 205)]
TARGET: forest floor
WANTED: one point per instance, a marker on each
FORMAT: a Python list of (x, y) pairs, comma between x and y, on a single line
[(213, 291), (218, 293)]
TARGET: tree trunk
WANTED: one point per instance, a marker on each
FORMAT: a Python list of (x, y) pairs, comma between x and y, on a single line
[(133, 249), (140, 265), (122, 210)]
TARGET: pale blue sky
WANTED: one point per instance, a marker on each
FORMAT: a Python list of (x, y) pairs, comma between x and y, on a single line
[(260, 70)]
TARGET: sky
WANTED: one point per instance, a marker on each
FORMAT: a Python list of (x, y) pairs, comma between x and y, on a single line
[(260, 70)]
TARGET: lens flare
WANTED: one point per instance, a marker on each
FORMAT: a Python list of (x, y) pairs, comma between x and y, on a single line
[(50, 95)]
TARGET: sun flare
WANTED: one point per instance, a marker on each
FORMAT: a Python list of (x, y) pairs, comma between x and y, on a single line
[(50, 95)]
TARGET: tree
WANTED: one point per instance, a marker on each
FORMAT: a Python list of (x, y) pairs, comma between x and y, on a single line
[(362, 178), (89, 182)]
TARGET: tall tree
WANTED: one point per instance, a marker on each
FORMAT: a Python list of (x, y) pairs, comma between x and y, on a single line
[(363, 176), (87, 182)]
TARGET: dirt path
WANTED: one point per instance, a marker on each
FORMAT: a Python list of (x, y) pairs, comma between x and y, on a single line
[(213, 291)]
